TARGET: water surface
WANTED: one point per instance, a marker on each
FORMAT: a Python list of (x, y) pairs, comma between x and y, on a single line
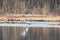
[(33, 24)]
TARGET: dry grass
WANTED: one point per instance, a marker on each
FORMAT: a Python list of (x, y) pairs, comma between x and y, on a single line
[(19, 8)]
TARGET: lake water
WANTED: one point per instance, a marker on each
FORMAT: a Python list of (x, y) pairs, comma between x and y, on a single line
[(33, 24)]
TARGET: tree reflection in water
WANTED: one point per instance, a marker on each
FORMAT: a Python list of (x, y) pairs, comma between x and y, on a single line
[(32, 33)]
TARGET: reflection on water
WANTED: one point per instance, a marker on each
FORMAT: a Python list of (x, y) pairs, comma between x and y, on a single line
[(24, 32), (31, 33), (1, 34), (34, 24)]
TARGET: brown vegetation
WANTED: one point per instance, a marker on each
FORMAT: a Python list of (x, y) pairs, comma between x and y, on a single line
[(32, 7)]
